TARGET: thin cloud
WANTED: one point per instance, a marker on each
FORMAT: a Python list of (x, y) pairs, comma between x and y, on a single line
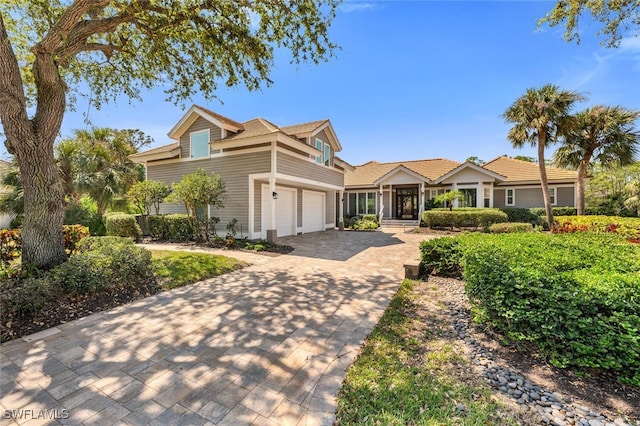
[(356, 6)]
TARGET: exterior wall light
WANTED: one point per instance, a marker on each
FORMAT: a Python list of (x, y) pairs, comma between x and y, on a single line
[(275, 195)]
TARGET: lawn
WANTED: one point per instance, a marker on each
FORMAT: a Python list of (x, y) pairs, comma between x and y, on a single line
[(176, 269), (410, 372)]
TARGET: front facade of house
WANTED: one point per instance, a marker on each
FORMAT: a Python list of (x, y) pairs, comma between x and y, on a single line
[(280, 180), (402, 190)]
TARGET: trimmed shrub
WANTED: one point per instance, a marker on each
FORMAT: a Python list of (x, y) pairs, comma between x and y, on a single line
[(573, 296), (518, 214), (557, 211), (22, 297), (508, 227), (441, 256), (72, 235), (101, 263), (157, 226), (179, 227), (463, 218), (370, 218), (123, 225)]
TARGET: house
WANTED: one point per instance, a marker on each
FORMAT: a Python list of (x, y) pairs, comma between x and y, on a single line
[(401, 190), (280, 180)]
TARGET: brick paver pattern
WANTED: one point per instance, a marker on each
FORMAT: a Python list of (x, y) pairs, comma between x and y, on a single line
[(268, 344)]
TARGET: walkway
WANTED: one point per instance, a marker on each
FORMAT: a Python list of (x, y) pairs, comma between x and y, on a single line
[(268, 344)]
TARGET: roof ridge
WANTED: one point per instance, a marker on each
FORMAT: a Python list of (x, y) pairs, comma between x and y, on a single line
[(219, 116), (307, 122), (268, 123)]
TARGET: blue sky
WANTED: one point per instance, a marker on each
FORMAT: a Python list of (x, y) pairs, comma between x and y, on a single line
[(413, 80)]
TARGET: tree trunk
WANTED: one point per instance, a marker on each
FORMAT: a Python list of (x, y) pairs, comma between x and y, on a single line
[(42, 240), (31, 141), (582, 174), (543, 180)]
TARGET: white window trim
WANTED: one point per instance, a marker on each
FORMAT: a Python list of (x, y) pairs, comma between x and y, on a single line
[(320, 158), (326, 161), (506, 197), (348, 202), (555, 195), (208, 132)]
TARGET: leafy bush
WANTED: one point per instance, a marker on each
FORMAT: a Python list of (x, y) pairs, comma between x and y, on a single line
[(508, 227), (364, 225), (625, 226), (574, 296), (157, 227), (101, 263), (85, 213), (518, 214), (179, 227), (370, 218), (22, 297), (441, 256), (10, 244), (463, 218), (123, 225), (557, 211), (72, 235)]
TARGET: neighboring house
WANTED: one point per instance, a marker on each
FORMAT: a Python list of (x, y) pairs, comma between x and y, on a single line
[(5, 219), (401, 190), (280, 180)]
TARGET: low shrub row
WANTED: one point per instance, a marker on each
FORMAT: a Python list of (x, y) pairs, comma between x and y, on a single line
[(509, 227), (11, 240), (363, 222), (628, 227), (573, 296), (171, 227), (98, 264), (463, 218)]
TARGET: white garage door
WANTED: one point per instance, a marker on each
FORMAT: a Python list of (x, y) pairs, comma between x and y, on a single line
[(313, 211), (285, 211)]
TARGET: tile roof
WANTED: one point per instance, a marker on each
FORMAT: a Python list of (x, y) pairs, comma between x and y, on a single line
[(220, 117), (368, 173), (519, 170), (255, 127)]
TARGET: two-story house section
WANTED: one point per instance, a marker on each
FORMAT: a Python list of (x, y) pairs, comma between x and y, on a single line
[(280, 180)]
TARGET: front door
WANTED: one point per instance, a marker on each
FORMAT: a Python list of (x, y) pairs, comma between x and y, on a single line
[(407, 203)]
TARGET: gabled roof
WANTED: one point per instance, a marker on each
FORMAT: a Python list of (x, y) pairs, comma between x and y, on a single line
[(197, 111), (309, 127), (160, 153), (472, 166), (255, 127), (368, 173), (520, 171)]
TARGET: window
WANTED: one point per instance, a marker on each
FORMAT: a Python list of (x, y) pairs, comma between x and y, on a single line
[(510, 197), (487, 197), (200, 144), (552, 196), (319, 159), (327, 155), (469, 199), (359, 203)]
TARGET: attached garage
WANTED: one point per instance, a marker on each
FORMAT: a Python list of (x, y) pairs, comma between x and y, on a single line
[(313, 211), (285, 211)]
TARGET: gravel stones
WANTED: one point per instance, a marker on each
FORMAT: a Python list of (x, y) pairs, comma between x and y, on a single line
[(551, 407)]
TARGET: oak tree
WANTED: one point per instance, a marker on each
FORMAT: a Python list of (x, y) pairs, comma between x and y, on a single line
[(50, 48)]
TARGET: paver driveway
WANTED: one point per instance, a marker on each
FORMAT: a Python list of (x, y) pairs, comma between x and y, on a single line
[(265, 345)]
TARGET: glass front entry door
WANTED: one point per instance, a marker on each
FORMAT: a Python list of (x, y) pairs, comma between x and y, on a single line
[(407, 203)]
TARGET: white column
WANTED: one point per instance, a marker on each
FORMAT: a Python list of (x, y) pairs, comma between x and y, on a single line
[(454, 187), (380, 197), (480, 195), (341, 211), (421, 209), (491, 194)]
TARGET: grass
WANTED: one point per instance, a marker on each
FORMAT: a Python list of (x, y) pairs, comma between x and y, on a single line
[(176, 269), (409, 373)]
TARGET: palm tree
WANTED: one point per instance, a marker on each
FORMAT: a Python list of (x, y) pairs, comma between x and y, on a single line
[(605, 134), (540, 117)]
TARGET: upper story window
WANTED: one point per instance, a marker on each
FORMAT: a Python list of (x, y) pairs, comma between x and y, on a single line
[(200, 144), (510, 197), (325, 153)]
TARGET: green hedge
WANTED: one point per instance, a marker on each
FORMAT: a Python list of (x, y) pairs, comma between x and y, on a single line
[(574, 296), (123, 225), (463, 218), (171, 227), (519, 214), (441, 256), (509, 227), (557, 211)]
